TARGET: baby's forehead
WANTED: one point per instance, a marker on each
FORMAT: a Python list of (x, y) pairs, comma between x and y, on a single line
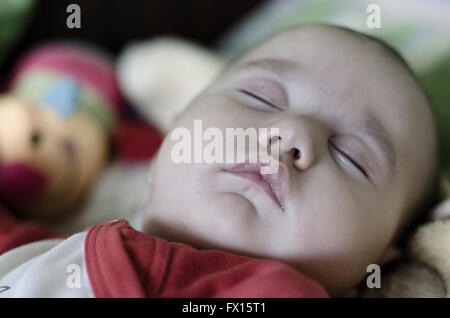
[(331, 58), (335, 59), (324, 43)]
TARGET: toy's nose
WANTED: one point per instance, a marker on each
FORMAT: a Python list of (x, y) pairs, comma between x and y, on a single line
[(19, 181)]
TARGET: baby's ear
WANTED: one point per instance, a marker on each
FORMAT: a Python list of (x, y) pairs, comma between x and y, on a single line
[(391, 253)]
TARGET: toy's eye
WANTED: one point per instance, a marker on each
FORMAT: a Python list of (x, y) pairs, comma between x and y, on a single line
[(35, 139)]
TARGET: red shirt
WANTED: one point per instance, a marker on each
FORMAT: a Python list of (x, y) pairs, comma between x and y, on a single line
[(123, 262)]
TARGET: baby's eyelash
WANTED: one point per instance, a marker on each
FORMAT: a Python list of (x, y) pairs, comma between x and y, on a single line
[(255, 96), (349, 158)]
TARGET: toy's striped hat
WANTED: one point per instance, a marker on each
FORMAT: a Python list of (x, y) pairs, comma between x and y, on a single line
[(65, 76)]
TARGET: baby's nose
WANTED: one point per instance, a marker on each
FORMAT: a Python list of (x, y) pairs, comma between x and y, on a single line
[(296, 141)]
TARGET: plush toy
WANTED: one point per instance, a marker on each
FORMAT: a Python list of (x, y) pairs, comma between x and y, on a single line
[(160, 76), (424, 271), (56, 118)]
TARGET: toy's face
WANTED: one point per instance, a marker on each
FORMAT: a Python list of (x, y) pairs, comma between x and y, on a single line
[(46, 161)]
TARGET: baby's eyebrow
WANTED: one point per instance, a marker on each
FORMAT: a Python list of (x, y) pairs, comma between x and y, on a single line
[(284, 67), (371, 126)]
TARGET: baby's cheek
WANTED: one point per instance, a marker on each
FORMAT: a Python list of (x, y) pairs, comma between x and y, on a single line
[(335, 220), (354, 239), (335, 247)]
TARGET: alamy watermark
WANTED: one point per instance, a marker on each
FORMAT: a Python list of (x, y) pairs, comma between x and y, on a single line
[(237, 146), (374, 279), (73, 280), (73, 20), (373, 20)]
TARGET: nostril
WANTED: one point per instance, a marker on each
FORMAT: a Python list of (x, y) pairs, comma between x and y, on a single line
[(35, 139), (274, 139), (296, 154)]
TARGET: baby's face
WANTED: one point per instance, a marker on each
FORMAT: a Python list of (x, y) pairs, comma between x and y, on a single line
[(355, 153)]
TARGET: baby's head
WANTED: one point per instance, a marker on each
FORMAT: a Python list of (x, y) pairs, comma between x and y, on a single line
[(357, 153)]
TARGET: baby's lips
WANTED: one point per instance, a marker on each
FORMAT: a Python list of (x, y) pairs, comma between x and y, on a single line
[(20, 182)]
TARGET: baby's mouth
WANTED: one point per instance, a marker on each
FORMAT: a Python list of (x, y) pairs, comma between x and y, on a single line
[(274, 185)]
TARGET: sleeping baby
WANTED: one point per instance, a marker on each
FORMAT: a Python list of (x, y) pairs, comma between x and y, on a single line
[(355, 145)]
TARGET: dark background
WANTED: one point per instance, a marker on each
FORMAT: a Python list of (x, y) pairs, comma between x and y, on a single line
[(111, 24)]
